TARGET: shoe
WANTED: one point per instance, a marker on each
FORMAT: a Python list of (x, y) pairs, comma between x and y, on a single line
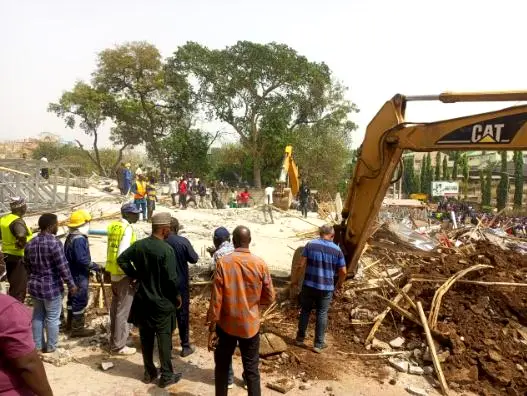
[(187, 351), (126, 351), (299, 343), (148, 378), (230, 386), (174, 379), (78, 329), (319, 349)]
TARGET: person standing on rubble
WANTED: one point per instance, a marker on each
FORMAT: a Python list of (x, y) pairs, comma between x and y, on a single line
[(242, 283), (77, 251), (120, 178), (127, 177), (121, 235), (185, 254), (48, 270), (152, 263), (183, 189), (151, 197), (173, 189), (322, 262), (15, 235), (268, 203), (304, 198), (139, 191)]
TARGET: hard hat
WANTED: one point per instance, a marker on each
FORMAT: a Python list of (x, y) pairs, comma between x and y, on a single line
[(79, 218)]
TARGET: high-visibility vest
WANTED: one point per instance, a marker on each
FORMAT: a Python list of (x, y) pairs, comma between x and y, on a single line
[(116, 231), (141, 190), (8, 239)]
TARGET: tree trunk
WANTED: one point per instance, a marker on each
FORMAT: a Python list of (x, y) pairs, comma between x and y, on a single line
[(118, 160), (257, 176), (97, 162)]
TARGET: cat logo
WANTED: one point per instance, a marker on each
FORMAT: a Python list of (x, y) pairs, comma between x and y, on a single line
[(487, 133)]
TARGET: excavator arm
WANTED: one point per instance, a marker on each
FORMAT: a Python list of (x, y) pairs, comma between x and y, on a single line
[(290, 169), (388, 135)]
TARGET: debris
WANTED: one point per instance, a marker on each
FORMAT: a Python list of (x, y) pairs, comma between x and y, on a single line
[(282, 385), (397, 342), (380, 345), (399, 364), (463, 375), (414, 390), (105, 366), (58, 358), (520, 367), (305, 386), (494, 355), (271, 344), (428, 370), (416, 370), (329, 389)]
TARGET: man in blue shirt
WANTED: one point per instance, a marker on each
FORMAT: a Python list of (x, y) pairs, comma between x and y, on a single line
[(324, 263)]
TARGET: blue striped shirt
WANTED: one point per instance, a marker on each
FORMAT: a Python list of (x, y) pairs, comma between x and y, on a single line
[(324, 259)]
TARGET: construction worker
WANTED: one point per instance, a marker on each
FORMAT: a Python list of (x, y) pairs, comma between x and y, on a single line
[(139, 191), (127, 179), (151, 197), (15, 235), (77, 252), (121, 236)]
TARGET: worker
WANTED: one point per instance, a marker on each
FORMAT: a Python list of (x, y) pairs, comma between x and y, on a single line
[(185, 254), (48, 270), (121, 235), (268, 203), (152, 262), (151, 197), (139, 171), (304, 198), (21, 369), (242, 283), (139, 191), (215, 199), (15, 235), (173, 189), (322, 261), (77, 252), (183, 189), (119, 173), (244, 198), (127, 178), (202, 192), (44, 171)]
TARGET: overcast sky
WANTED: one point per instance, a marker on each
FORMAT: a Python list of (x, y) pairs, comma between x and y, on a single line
[(377, 48)]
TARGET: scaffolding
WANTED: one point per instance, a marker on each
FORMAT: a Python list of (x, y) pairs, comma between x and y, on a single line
[(25, 178)]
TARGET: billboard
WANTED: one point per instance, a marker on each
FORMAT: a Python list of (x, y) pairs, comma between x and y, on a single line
[(444, 188)]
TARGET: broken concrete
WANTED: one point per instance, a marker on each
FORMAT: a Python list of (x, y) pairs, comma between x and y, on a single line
[(397, 342), (380, 345), (416, 370), (399, 364), (105, 366), (271, 344), (414, 390)]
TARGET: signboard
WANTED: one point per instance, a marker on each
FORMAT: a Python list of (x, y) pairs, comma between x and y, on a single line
[(444, 188)]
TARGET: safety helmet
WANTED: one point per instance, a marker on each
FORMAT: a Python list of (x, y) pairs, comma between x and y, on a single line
[(79, 218)]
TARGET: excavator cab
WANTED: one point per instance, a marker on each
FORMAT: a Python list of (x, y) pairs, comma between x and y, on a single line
[(288, 184)]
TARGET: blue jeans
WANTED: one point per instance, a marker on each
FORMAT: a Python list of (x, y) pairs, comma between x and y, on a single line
[(141, 205), (320, 300), (46, 315)]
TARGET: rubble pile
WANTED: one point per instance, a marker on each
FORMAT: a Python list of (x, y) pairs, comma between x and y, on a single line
[(481, 333)]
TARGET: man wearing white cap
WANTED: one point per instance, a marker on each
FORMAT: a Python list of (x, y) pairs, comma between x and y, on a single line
[(15, 234)]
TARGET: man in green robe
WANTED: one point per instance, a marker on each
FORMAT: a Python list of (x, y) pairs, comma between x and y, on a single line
[(152, 263)]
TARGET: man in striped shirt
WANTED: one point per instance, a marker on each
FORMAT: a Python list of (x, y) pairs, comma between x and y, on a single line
[(324, 263), (242, 283)]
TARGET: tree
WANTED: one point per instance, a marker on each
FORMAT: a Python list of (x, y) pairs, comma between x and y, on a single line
[(518, 179), (86, 107), (422, 176), (438, 166), (445, 168), (456, 157), (466, 174), (502, 190), (250, 86), (482, 185), (487, 190), (409, 176), (427, 188)]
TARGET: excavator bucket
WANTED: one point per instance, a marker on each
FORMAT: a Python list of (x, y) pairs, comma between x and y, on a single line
[(282, 199)]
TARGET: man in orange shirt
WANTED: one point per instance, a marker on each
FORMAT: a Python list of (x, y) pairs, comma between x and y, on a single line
[(242, 283)]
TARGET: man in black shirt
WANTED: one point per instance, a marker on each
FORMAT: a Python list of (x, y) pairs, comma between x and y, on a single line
[(185, 254)]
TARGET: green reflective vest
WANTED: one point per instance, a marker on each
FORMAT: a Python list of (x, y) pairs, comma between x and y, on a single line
[(8, 239), (116, 231)]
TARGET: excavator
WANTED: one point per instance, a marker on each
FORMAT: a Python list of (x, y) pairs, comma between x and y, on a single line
[(283, 195), (389, 134)]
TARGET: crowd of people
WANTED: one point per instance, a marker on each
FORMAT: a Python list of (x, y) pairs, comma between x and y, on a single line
[(150, 290)]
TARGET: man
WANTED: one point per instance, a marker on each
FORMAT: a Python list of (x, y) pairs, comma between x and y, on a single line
[(139, 191), (268, 204), (185, 254), (127, 177), (15, 235), (323, 261), (173, 189), (44, 171), (222, 245), (304, 198), (151, 197), (242, 283), (152, 263), (215, 199), (139, 171), (48, 270), (202, 192), (121, 236), (21, 370), (120, 178), (183, 189), (77, 251)]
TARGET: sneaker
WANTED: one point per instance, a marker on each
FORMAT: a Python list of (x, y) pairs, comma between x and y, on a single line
[(126, 351), (174, 379), (187, 351), (319, 349)]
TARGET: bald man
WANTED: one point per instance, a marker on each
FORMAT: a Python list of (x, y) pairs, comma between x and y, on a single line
[(242, 283)]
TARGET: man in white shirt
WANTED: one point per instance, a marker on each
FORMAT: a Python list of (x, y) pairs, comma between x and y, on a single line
[(268, 204), (173, 189)]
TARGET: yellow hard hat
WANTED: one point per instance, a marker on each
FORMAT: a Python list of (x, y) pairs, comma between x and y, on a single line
[(79, 218)]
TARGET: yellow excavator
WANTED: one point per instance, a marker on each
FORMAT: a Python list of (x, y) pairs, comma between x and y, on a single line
[(288, 183), (389, 134)]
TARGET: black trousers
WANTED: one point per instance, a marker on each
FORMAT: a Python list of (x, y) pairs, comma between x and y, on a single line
[(183, 318), (16, 276), (249, 348), (164, 344)]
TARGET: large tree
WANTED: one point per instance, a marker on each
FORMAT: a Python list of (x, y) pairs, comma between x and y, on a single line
[(466, 174), (518, 179), (409, 176), (250, 85), (502, 190), (438, 166), (86, 107), (486, 194), (445, 168)]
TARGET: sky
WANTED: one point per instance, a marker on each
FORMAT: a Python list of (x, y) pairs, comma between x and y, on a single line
[(377, 48)]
